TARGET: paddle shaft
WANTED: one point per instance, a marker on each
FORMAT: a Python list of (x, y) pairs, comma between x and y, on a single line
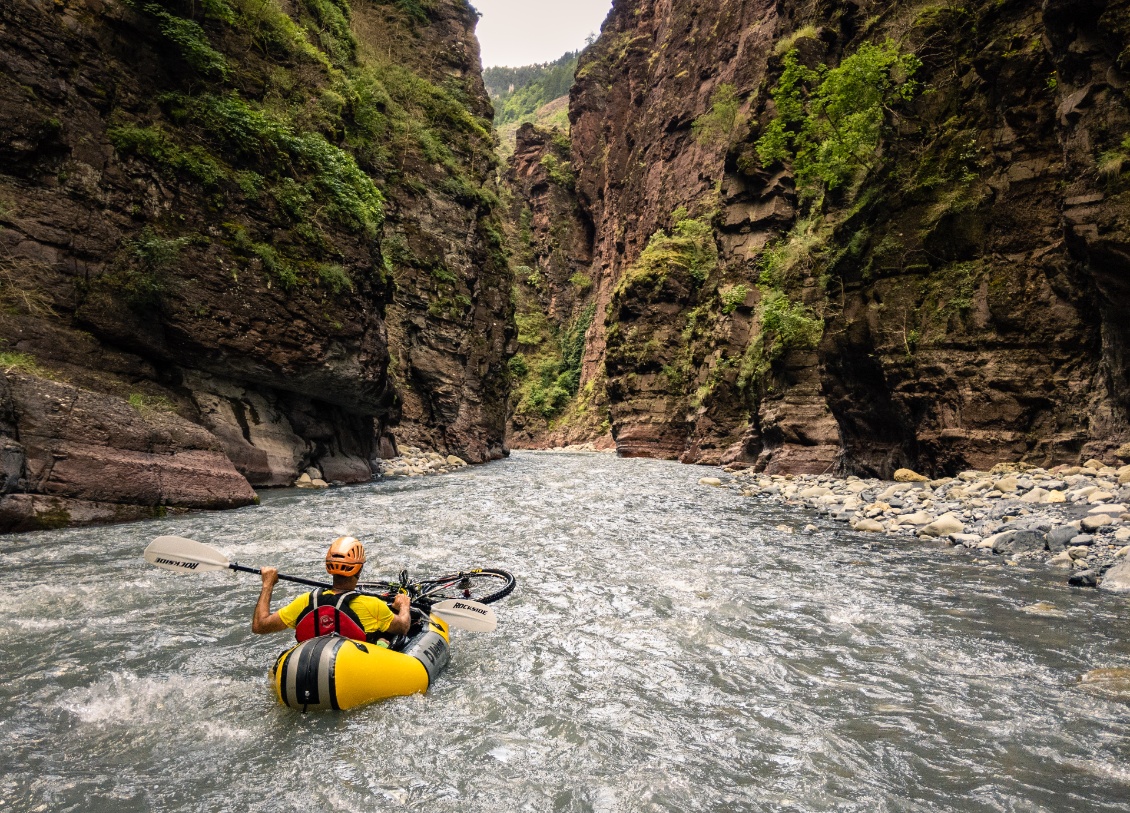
[(282, 576)]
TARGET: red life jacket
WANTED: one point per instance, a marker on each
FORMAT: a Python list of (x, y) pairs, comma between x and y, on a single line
[(328, 613)]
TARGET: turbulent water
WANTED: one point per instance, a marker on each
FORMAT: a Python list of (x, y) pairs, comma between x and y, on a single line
[(668, 648)]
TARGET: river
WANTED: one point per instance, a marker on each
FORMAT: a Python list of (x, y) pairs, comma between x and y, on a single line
[(668, 648)]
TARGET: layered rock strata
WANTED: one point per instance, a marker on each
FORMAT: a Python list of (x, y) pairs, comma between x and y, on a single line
[(952, 303), (218, 222)]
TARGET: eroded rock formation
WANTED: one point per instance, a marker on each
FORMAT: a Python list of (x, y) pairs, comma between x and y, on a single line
[(218, 222), (952, 303)]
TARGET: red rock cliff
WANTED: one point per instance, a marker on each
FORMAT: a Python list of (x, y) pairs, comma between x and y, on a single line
[(953, 301), (218, 222)]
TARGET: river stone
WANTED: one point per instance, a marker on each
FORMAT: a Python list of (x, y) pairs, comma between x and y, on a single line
[(945, 525), (1114, 680), (1096, 521), (1055, 497), (455, 460), (1084, 578), (1082, 539), (1078, 551), (1044, 608), (857, 487), (1061, 560), (1124, 551), (968, 540), (1097, 497), (1018, 542), (868, 526), (892, 491), (1006, 485), (1111, 509), (1122, 535), (710, 481), (1034, 496), (815, 491), (917, 518), (1058, 538), (909, 476), (1093, 464), (1117, 579)]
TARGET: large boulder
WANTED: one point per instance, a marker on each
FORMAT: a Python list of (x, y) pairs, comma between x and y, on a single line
[(909, 476), (93, 458), (1117, 579), (944, 525), (1011, 542)]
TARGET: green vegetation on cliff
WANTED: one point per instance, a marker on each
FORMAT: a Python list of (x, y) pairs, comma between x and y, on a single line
[(548, 365), (289, 124), (830, 121)]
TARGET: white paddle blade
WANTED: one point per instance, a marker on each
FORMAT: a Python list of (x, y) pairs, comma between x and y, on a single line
[(463, 614), (182, 555)]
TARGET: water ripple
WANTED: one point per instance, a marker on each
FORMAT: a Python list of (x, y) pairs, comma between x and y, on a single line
[(669, 648)]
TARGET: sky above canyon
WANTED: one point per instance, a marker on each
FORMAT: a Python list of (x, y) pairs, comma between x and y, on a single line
[(523, 32)]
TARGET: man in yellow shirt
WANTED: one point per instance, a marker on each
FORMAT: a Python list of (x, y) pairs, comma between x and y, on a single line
[(338, 609)]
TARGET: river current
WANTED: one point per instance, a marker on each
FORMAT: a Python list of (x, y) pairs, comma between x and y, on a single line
[(669, 647)]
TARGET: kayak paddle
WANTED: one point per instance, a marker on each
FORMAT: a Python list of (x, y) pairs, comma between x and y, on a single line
[(181, 555), (466, 615)]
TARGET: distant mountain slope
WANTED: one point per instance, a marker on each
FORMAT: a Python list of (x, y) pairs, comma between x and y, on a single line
[(518, 92)]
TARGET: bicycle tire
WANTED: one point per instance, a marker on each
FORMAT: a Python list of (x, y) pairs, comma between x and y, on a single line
[(484, 585)]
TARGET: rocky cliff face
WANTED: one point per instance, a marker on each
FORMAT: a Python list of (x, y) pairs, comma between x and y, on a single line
[(788, 278), (237, 240)]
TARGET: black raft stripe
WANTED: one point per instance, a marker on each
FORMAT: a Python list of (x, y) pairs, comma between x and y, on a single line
[(308, 672)]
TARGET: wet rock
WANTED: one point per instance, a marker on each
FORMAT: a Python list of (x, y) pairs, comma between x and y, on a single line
[(1117, 579), (1084, 578), (1045, 608), (968, 540), (1062, 560), (1115, 681), (1018, 542)]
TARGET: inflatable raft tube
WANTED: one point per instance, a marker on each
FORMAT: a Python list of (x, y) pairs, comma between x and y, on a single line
[(332, 672)]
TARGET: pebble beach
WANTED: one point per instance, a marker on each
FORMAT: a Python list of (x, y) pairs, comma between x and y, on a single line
[(1075, 518)]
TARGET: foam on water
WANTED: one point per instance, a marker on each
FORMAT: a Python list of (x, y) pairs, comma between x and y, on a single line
[(667, 649)]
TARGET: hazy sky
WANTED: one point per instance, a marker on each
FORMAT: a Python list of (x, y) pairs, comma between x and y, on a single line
[(522, 32)]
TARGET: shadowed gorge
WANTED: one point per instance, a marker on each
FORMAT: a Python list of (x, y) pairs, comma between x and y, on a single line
[(840, 237), (240, 241)]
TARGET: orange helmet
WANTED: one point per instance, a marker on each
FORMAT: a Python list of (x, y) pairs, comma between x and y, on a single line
[(345, 557)]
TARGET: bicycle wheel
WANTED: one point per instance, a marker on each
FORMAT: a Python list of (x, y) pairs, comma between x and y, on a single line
[(484, 586)]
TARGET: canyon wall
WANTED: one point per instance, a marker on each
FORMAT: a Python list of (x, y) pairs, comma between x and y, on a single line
[(944, 291), (240, 240)]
